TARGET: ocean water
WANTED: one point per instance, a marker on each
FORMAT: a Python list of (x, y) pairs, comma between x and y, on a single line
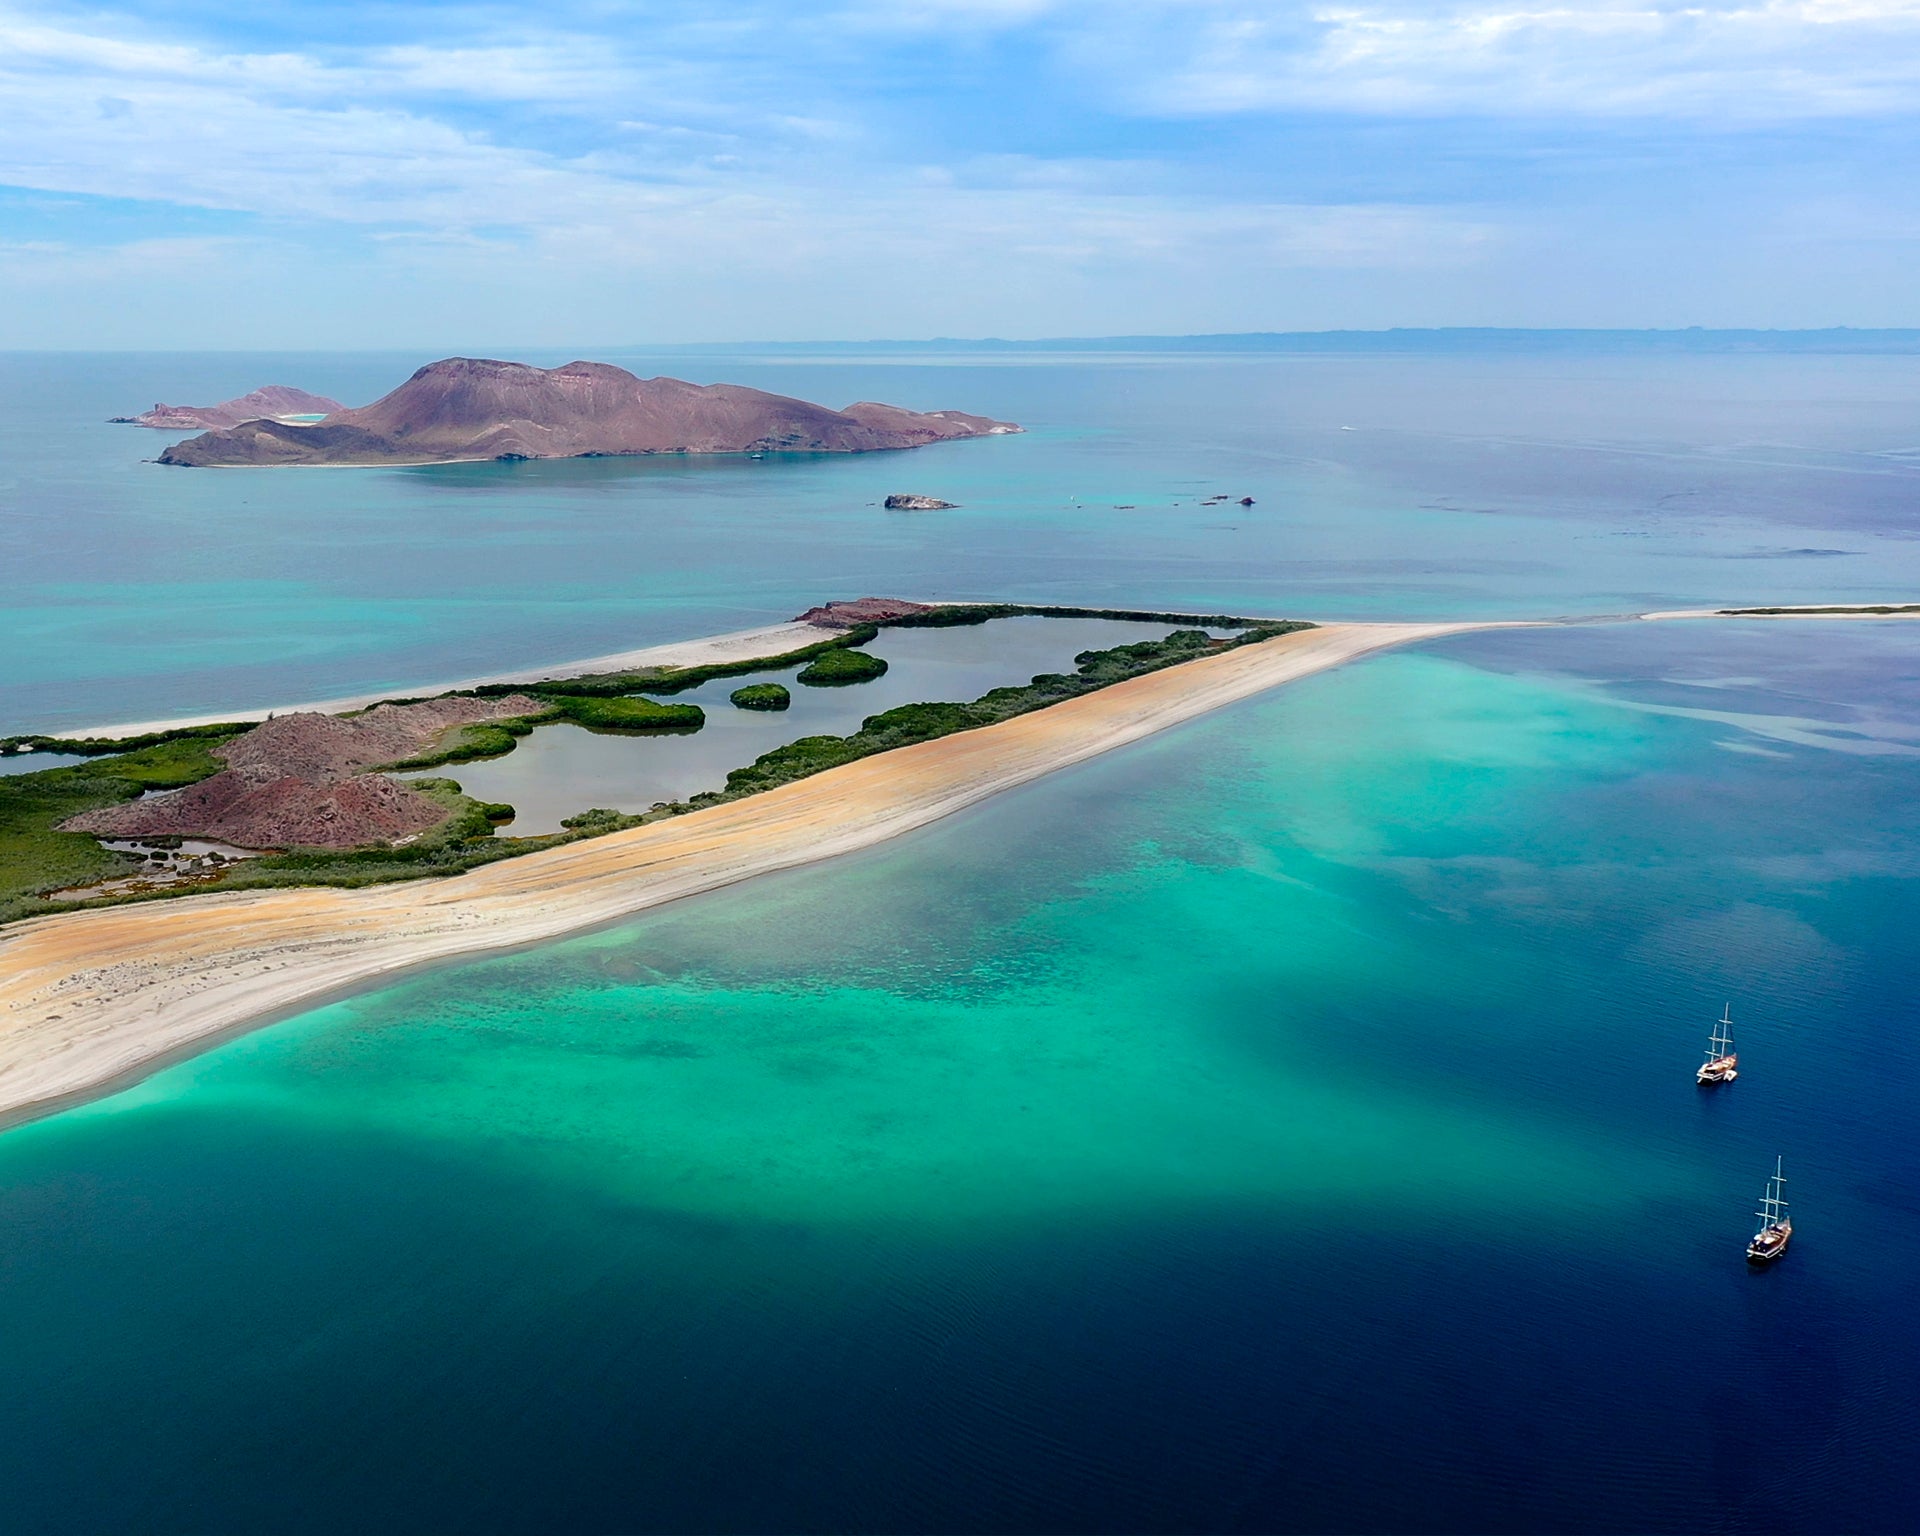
[(1383, 487), (1285, 1124)]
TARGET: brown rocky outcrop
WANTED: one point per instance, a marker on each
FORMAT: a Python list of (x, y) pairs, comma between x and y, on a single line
[(902, 502), (860, 610), (299, 781), (270, 401), (478, 408)]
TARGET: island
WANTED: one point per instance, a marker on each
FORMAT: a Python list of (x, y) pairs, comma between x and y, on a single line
[(463, 409), (271, 402), (901, 502)]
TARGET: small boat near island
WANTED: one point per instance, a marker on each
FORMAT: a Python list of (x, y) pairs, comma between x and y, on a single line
[(1775, 1230), (1722, 1064)]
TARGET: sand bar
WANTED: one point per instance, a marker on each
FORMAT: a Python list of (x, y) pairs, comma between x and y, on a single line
[(89, 999), (1796, 611), (738, 645)]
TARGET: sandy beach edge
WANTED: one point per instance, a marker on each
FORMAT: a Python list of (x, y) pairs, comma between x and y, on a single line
[(92, 1000), (735, 645)]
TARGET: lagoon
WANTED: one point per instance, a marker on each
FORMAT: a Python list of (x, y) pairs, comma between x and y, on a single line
[(563, 769)]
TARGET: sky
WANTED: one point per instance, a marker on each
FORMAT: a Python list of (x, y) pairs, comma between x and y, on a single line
[(392, 174)]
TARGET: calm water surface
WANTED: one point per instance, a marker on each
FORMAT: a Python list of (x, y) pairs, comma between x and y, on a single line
[(1384, 487), (561, 770), (1283, 1125)]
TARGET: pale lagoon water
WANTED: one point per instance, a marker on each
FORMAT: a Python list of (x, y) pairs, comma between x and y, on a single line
[(561, 770), (1286, 1124)]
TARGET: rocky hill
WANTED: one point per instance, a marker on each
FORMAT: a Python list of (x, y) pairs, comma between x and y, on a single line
[(475, 408), (300, 781), (269, 402)]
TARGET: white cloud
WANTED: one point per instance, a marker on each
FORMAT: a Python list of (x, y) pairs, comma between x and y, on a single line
[(1617, 58)]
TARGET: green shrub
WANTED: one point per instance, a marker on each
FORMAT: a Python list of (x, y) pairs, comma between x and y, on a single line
[(599, 819), (488, 738), (761, 696), (36, 858), (676, 679), (632, 714), (842, 664)]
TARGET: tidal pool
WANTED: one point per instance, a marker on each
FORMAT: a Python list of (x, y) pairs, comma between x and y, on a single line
[(564, 769)]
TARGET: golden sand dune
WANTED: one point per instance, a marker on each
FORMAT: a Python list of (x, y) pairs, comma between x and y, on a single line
[(88, 998)]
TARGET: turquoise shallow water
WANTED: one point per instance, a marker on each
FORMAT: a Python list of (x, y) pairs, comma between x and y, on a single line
[(1284, 1125)]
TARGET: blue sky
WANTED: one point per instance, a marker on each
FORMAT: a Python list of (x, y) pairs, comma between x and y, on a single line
[(392, 174)]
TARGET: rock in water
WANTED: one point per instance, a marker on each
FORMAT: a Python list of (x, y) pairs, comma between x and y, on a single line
[(917, 504), (476, 408)]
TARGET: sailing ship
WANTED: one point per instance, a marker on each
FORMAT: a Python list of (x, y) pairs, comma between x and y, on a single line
[(1722, 1064), (1775, 1230)]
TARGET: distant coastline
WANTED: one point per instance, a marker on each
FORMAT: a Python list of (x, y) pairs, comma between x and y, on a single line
[(1441, 340)]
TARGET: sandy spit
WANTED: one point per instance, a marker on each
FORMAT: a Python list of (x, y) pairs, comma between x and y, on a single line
[(738, 645), (1785, 611), (90, 999)]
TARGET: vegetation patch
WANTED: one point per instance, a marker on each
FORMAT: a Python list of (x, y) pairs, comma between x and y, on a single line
[(677, 679), (487, 738), (761, 696), (912, 723), (107, 746), (631, 714), (950, 615), (1736, 613), (832, 669), (34, 858)]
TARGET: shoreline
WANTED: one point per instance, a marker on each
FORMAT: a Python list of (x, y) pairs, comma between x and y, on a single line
[(1792, 611), (95, 999), (772, 639), (734, 645)]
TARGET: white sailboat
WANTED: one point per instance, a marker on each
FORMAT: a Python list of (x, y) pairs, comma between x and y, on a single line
[(1722, 1064), (1775, 1230)]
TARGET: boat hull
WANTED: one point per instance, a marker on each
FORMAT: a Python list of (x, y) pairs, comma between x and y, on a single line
[(1769, 1246)]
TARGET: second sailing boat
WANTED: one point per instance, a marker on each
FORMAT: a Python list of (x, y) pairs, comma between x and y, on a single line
[(1722, 1064), (1776, 1231)]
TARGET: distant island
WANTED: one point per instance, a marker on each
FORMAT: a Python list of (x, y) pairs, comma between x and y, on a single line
[(272, 402), (464, 408)]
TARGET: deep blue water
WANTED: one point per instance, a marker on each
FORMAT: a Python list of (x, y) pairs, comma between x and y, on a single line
[(1286, 1124)]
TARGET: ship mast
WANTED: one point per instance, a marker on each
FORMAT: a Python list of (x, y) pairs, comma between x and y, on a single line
[(1773, 1203), (1722, 1044)]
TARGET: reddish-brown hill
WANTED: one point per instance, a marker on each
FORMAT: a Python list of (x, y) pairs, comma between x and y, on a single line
[(300, 781), (270, 401), (473, 408)]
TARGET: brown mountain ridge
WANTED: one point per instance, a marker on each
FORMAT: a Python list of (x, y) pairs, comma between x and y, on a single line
[(268, 401), (478, 408)]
